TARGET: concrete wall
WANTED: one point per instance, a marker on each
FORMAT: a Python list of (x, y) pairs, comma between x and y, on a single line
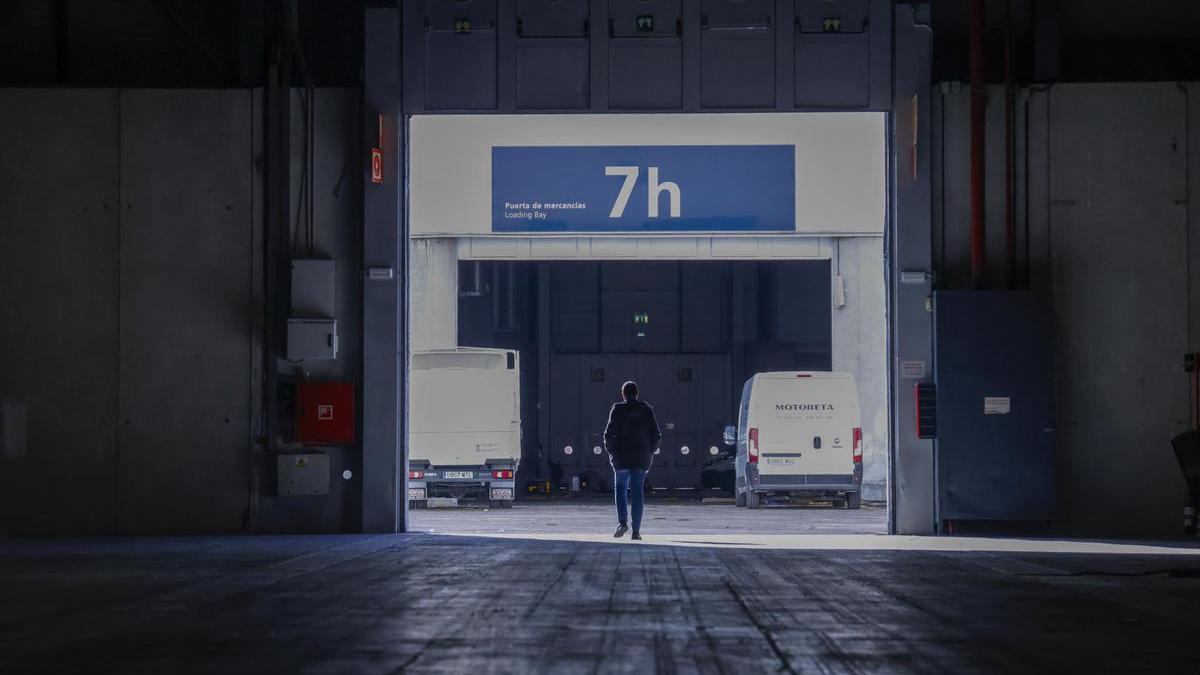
[(1103, 194), (184, 265), (130, 329), (433, 293), (128, 219), (59, 205), (859, 347), (1119, 264)]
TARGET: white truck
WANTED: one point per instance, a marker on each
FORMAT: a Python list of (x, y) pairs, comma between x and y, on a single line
[(798, 433), (464, 424)]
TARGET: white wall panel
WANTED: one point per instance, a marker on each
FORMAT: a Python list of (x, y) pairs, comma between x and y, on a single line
[(433, 291), (554, 248), (840, 160)]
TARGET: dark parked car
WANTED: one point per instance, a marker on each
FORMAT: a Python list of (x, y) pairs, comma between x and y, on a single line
[(718, 471)]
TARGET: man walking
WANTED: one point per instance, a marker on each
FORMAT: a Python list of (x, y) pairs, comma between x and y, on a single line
[(631, 437)]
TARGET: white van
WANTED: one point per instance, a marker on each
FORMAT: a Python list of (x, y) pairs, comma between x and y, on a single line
[(798, 433), (464, 424)]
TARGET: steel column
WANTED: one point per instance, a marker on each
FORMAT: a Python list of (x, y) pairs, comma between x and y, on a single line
[(913, 493), (384, 477)]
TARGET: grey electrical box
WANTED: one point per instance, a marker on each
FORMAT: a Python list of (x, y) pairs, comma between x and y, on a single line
[(312, 339), (313, 289), (306, 474)]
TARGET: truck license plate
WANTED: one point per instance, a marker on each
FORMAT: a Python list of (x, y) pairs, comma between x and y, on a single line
[(459, 474), (781, 461)]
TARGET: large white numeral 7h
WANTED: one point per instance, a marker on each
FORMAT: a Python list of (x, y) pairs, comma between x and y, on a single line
[(631, 176)]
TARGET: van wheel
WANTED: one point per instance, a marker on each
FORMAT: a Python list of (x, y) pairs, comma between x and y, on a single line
[(739, 499), (853, 500), (753, 500)]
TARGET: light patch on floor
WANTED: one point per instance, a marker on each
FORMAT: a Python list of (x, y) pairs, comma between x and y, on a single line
[(864, 542), (680, 518)]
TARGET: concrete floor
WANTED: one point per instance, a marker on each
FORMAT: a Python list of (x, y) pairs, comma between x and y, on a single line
[(595, 516), (425, 603)]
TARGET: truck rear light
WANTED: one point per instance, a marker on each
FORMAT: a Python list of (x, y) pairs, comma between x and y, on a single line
[(858, 445), (752, 455), (502, 474), (416, 475)]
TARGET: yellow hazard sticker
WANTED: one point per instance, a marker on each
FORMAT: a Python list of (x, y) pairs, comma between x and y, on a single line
[(301, 463)]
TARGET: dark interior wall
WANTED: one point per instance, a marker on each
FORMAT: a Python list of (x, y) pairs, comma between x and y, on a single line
[(185, 269), (137, 302), (59, 213), (337, 214), (1073, 40), (171, 43), (645, 55), (99, 43), (673, 307), (1106, 187), (132, 224), (210, 43), (1119, 180), (794, 325)]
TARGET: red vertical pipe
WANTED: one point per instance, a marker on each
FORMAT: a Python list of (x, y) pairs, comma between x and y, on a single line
[(978, 112), (1010, 223)]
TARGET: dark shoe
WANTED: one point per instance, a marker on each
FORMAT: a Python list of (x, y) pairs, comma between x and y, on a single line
[(621, 530), (636, 536)]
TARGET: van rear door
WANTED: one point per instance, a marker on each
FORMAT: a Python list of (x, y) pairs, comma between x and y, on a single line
[(806, 424)]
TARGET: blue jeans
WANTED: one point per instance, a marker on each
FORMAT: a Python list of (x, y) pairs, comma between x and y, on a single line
[(631, 480)]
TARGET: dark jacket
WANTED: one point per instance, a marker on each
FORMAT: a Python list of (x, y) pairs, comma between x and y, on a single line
[(631, 435)]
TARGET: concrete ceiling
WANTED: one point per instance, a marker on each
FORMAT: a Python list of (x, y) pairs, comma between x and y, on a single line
[(221, 42)]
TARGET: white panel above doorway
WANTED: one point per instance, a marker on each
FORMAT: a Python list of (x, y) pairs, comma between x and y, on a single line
[(839, 167)]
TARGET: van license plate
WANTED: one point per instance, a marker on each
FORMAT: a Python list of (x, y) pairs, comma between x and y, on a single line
[(459, 474), (781, 461)]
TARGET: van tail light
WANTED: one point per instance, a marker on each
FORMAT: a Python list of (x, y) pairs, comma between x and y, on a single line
[(502, 474), (753, 454), (416, 475), (858, 445)]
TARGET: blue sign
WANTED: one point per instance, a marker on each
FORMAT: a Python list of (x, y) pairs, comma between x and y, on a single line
[(651, 188)]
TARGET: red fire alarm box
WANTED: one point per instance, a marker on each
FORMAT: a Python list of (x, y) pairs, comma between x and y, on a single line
[(377, 166), (325, 413)]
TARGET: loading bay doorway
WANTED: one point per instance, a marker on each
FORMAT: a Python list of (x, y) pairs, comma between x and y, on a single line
[(689, 315), (690, 333)]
